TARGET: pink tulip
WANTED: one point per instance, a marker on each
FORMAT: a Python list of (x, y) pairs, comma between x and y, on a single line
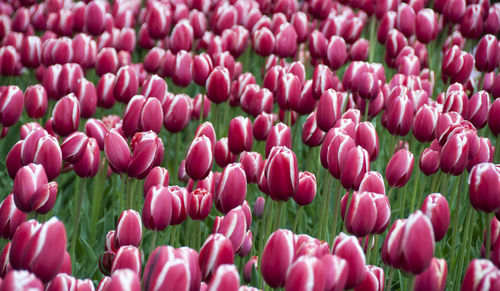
[(277, 257), (129, 229), (348, 248), (399, 168), (124, 279), (437, 209), (117, 151), (216, 251), (21, 280), (10, 217)]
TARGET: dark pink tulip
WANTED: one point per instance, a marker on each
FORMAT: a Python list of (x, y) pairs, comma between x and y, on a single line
[(279, 135), (142, 114), (306, 273), (94, 17), (106, 61), (478, 106), (27, 181), (336, 52), (158, 19), (71, 73), (10, 61), (492, 22), (105, 95), (225, 277), (391, 249), (395, 42), (88, 164), (429, 161), (129, 229), (206, 129), (336, 149), (264, 122), (486, 54), (195, 114), (426, 25), (117, 151), (317, 44), (217, 250), (51, 79), (87, 96), (158, 176), (95, 128), (348, 248), (31, 51), (199, 158), (425, 122), (352, 173), (405, 20), (222, 155), (252, 164), (13, 160), (123, 279), (201, 67), (234, 227), (126, 39), (232, 188), (147, 153), (437, 209), (417, 243), (434, 278), (35, 101), (45, 250), (399, 168), (288, 90), (61, 282), (167, 269), (277, 257), (198, 21), (336, 271), (456, 101), (361, 217), (494, 117), (366, 136), (372, 182), (482, 180), (311, 134), (84, 50), (177, 112), (240, 135), (359, 50), (200, 204), (126, 84), (127, 257), (329, 110), (180, 204), (306, 190), (21, 280), (286, 41), (153, 58), (477, 271), (46, 153), (182, 36), (485, 154), (323, 79), (44, 198), (218, 85), (400, 115), (182, 69), (471, 24), (374, 279), (11, 105), (250, 266), (20, 241), (282, 173), (62, 51), (454, 154), (10, 217), (66, 115)]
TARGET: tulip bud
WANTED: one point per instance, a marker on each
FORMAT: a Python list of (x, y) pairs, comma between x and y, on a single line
[(417, 243), (279, 135), (35, 101), (21, 280), (117, 151), (232, 188), (226, 277), (10, 217), (454, 155), (399, 168), (106, 61), (222, 155), (123, 279), (240, 135), (216, 251), (44, 198), (158, 176), (348, 248), (66, 115), (306, 190), (286, 41), (486, 53), (182, 69), (200, 204), (126, 84), (127, 257), (374, 279), (262, 125), (436, 208), (180, 204), (11, 105), (482, 180), (306, 272), (129, 229), (282, 173), (27, 181), (157, 209), (336, 52), (201, 68), (277, 257), (258, 207), (199, 158), (477, 270), (147, 153), (366, 136), (329, 110), (234, 226), (426, 25), (182, 36), (434, 278), (400, 116), (372, 182), (352, 173), (218, 85)]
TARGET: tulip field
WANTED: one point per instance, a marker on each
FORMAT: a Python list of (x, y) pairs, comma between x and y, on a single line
[(240, 145)]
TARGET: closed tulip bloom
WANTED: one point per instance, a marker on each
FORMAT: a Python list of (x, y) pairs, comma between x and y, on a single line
[(11, 105), (286, 41), (222, 155), (471, 24), (10, 217), (374, 279), (201, 67), (21, 280), (424, 123), (279, 135), (329, 110), (35, 101), (71, 73), (27, 181), (288, 90), (117, 151), (158, 176), (352, 173), (44, 198), (200, 204), (124, 279), (437, 209), (417, 243), (45, 250), (106, 61), (252, 164), (95, 128), (263, 41), (405, 20), (66, 115), (336, 52), (157, 209), (476, 272), (348, 248), (73, 147), (399, 168), (486, 53), (306, 190), (366, 136), (226, 277), (217, 250), (372, 182), (277, 257), (126, 84), (282, 173), (147, 153), (494, 117), (127, 257), (434, 278), (400, 116), (483, 179), (87, 96), (311, 134), (306, 273), (263, 124), (454, 155), (361, 216), (104, 90), (182, 36), (129, 229), (426, 25), (177, 113), (218, 85), (391, 249), (199, 158), (180, 204), (234, 227), (478, 107), (429, 161), (182, 69), (323, 79), (240, 135), (231, 189)]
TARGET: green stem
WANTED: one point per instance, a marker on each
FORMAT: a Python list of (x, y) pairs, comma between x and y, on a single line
[(415, 187), (481, 82), (489, 216), (373, 44), (173, 235), (411, 283), (349, 197), (98, 182), (202, 109), (336, 208), (297, 218), (77, 209), (375, 255), (367, 108), (402, 201), (153, 241), (389, 279), (279, 214), (457, 212), (326, 198), (466, 240)]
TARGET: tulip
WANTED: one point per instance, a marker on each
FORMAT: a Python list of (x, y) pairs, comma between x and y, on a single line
[(11, 105), (399, 168), (306, 272), (182, 69), (200, 204), (13, 160), (201, 67), (234, 226), (240, 135), (226, 277), (323, 79), (126, 84), (372, 182), (87, 96), (434, 278), (182, 36), (336, 52), (454, 155), (158, 176), (73, 147), (222, 155), (263, 124), (157, 209), (336, 271), (216, 251), (288, 90), (282, 173), (27, 181), (366, 136), (306, 190), (482, 180), (232, 188), (352, 173), (45, 250), (147, 153), (21, 280), (436, 208), (129, 229), (277, 257), (124, 279), (486, 53), (44, 198), (286, 41), (348, 248), (180, 204), (374, 279), (199, 158), (330, 107), (279, 135), (218, 85), (471, 25), (10, 217), (105, 95), (477, 270), (400, 116), (96, 129), (117, 151), (337, 149), (66, 115)]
